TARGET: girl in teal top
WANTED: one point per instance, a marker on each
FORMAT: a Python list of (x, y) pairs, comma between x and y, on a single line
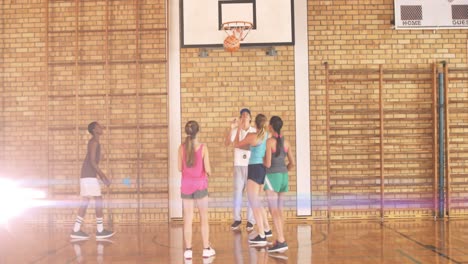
[(258, 152), (256, 176)]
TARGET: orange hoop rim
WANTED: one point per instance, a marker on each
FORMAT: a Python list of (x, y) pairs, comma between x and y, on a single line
[(238, 27)]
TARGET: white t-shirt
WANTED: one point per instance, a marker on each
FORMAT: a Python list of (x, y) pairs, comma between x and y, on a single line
[(241, 156)]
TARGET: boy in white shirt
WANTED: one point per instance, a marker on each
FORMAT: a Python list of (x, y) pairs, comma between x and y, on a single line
[(241, 162)]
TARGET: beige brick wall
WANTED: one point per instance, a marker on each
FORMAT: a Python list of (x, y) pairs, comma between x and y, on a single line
[(22, 90), (359, 35), (43, 132), (215, 88), (51, 94), (2, 100)]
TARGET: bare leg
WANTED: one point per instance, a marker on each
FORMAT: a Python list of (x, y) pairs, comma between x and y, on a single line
[(98, 204), (281, 216), (80, 217), (188, 219), (273, 202), (252, 195), (83, 207), (266, 225), (202, 205)]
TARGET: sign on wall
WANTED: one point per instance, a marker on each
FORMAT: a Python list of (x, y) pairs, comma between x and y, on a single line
[(431, 14)]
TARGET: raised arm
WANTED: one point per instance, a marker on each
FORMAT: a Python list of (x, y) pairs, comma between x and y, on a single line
[(228, 140), (227, 137), (249, 140)]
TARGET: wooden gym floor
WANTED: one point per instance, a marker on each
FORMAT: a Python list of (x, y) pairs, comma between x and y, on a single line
[(394, 241)]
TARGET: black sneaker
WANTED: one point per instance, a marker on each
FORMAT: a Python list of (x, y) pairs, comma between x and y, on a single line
[(249, 227), (104, 234), (258, 240), (236, 225), (79, 235), (278, 247), (268, 233)]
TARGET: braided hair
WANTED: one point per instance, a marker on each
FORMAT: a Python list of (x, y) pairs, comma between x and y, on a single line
[(276, 123), (191, 129)]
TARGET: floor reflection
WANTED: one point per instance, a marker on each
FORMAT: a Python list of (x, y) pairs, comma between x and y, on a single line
[(317, 242), (101, 245)]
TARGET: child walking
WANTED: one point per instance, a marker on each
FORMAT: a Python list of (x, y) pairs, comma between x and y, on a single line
[(89, 186), (194, 163)]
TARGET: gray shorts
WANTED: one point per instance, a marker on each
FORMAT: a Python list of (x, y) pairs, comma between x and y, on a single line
[(196, 195)]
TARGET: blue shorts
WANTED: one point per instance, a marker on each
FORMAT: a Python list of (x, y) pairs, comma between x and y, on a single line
[(256, 173)]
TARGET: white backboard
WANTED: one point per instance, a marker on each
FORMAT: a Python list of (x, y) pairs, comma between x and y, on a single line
[(273, 21)]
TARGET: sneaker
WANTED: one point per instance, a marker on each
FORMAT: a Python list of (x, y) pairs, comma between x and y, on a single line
[(208, 260), (258, 240), (79, 235), (249, 227), (78, 241), (188, 254), (268, 233), (235, 225), (278, 247), (279, 256), (208, 252), (104, 234)]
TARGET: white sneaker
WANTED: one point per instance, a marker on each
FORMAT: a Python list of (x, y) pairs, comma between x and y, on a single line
[(208, 260), (188, 254), (208, 252)]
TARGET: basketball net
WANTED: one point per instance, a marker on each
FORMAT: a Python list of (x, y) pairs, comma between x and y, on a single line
[(237, 31)]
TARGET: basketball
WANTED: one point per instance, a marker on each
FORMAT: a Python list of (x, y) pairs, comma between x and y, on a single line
[(231, 43)]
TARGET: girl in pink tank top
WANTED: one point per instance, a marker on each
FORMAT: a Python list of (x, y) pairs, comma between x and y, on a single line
[(193, 178), (194, 163)]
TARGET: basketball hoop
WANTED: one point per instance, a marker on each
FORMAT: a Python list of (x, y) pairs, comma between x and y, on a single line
[(236, 31)]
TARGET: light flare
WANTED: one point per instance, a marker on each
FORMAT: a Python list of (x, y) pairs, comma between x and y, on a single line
[(15, 199)]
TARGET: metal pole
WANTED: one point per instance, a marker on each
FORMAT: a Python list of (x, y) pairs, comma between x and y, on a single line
[(76, 87), (138, 102), (382, 170), (434, 127), (327, 109), (447, 187), (441, 145)]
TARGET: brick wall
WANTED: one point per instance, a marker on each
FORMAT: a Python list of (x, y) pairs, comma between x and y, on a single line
[(215, 88), (61, 72), (359, 35), (2, 105), (23, 96), (43, 132)]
